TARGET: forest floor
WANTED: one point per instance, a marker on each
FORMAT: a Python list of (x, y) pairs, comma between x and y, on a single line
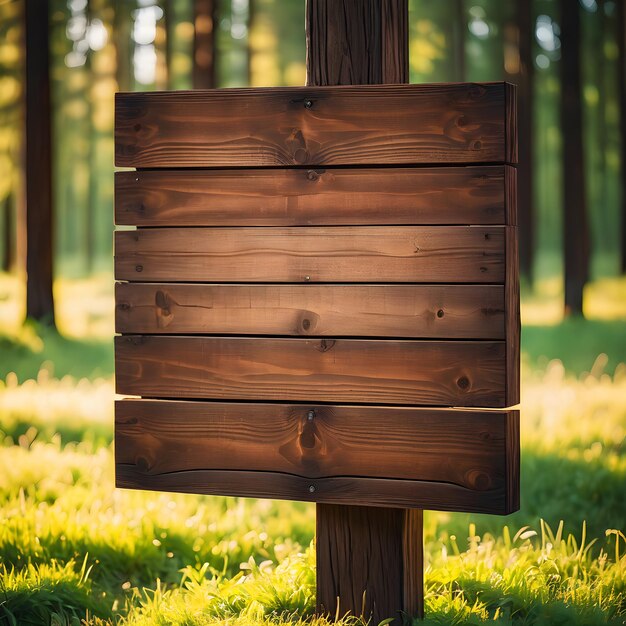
[(74, 550)]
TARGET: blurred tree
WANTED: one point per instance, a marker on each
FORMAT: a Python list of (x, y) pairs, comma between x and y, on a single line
[(459, 26), (205, 22), (38, 168), (621, 38), (519, 68), (11, 122), (575, 222), (8, 250), (122, 27)]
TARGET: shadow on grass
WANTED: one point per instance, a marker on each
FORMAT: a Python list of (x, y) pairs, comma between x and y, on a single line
[(555, 488), (36, 345)]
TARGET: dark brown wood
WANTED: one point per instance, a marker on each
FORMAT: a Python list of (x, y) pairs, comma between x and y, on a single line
[(375, 492), (455, 254), (395, 42), (419, 311), (511, 148), (309, 197), (442, 373), (160, 437), (512, 454), (371, 559), (512, 317), (205, 25), (317, 126), (413, 562), (376, 47), (38, 165), (576, 227)]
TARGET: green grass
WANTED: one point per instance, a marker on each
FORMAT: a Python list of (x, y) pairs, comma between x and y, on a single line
[(73, 550)]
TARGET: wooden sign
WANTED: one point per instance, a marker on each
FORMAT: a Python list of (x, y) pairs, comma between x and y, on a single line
[(317, 276)]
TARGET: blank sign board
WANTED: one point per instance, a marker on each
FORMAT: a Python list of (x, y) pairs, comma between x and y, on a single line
[(320, 300)]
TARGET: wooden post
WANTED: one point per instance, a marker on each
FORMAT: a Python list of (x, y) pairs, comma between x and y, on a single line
[(575, 222), (38, 168), (369, 559), (205, 21)]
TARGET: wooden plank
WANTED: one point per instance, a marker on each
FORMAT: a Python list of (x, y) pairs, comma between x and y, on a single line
[(385, 492), (372, 561), (455, 254), (309, 197), (315, 126), (448, 373), (419, 311), (161, 437)]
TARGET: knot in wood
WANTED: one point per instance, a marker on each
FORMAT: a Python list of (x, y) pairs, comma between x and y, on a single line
[(326, 344), (163, 301), (463, 382)]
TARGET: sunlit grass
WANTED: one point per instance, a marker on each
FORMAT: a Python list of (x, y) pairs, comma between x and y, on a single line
[(74, 548)]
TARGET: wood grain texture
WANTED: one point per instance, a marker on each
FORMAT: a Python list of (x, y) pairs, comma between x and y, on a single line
[(310, 197), (374, 34), (413, 562), (371, 562), (313, 126), (512, 317), (345, 490), (455, 254), (161, 437), (442, 373), (417, 311), (394, 41), (512, 461), (510, 95), (510, 195)]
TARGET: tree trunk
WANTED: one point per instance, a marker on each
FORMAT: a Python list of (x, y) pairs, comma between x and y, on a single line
[(369, 559), (460, 28), (575, 225), (38, 165), (8, 250), (524, 81), (169, 24), (123, 48), (205, 22), (621, 37)]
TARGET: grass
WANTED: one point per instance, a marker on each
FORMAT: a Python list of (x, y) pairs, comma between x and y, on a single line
[(73, 550)]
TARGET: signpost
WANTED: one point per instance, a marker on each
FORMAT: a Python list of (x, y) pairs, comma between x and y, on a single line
[(318, 274)]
